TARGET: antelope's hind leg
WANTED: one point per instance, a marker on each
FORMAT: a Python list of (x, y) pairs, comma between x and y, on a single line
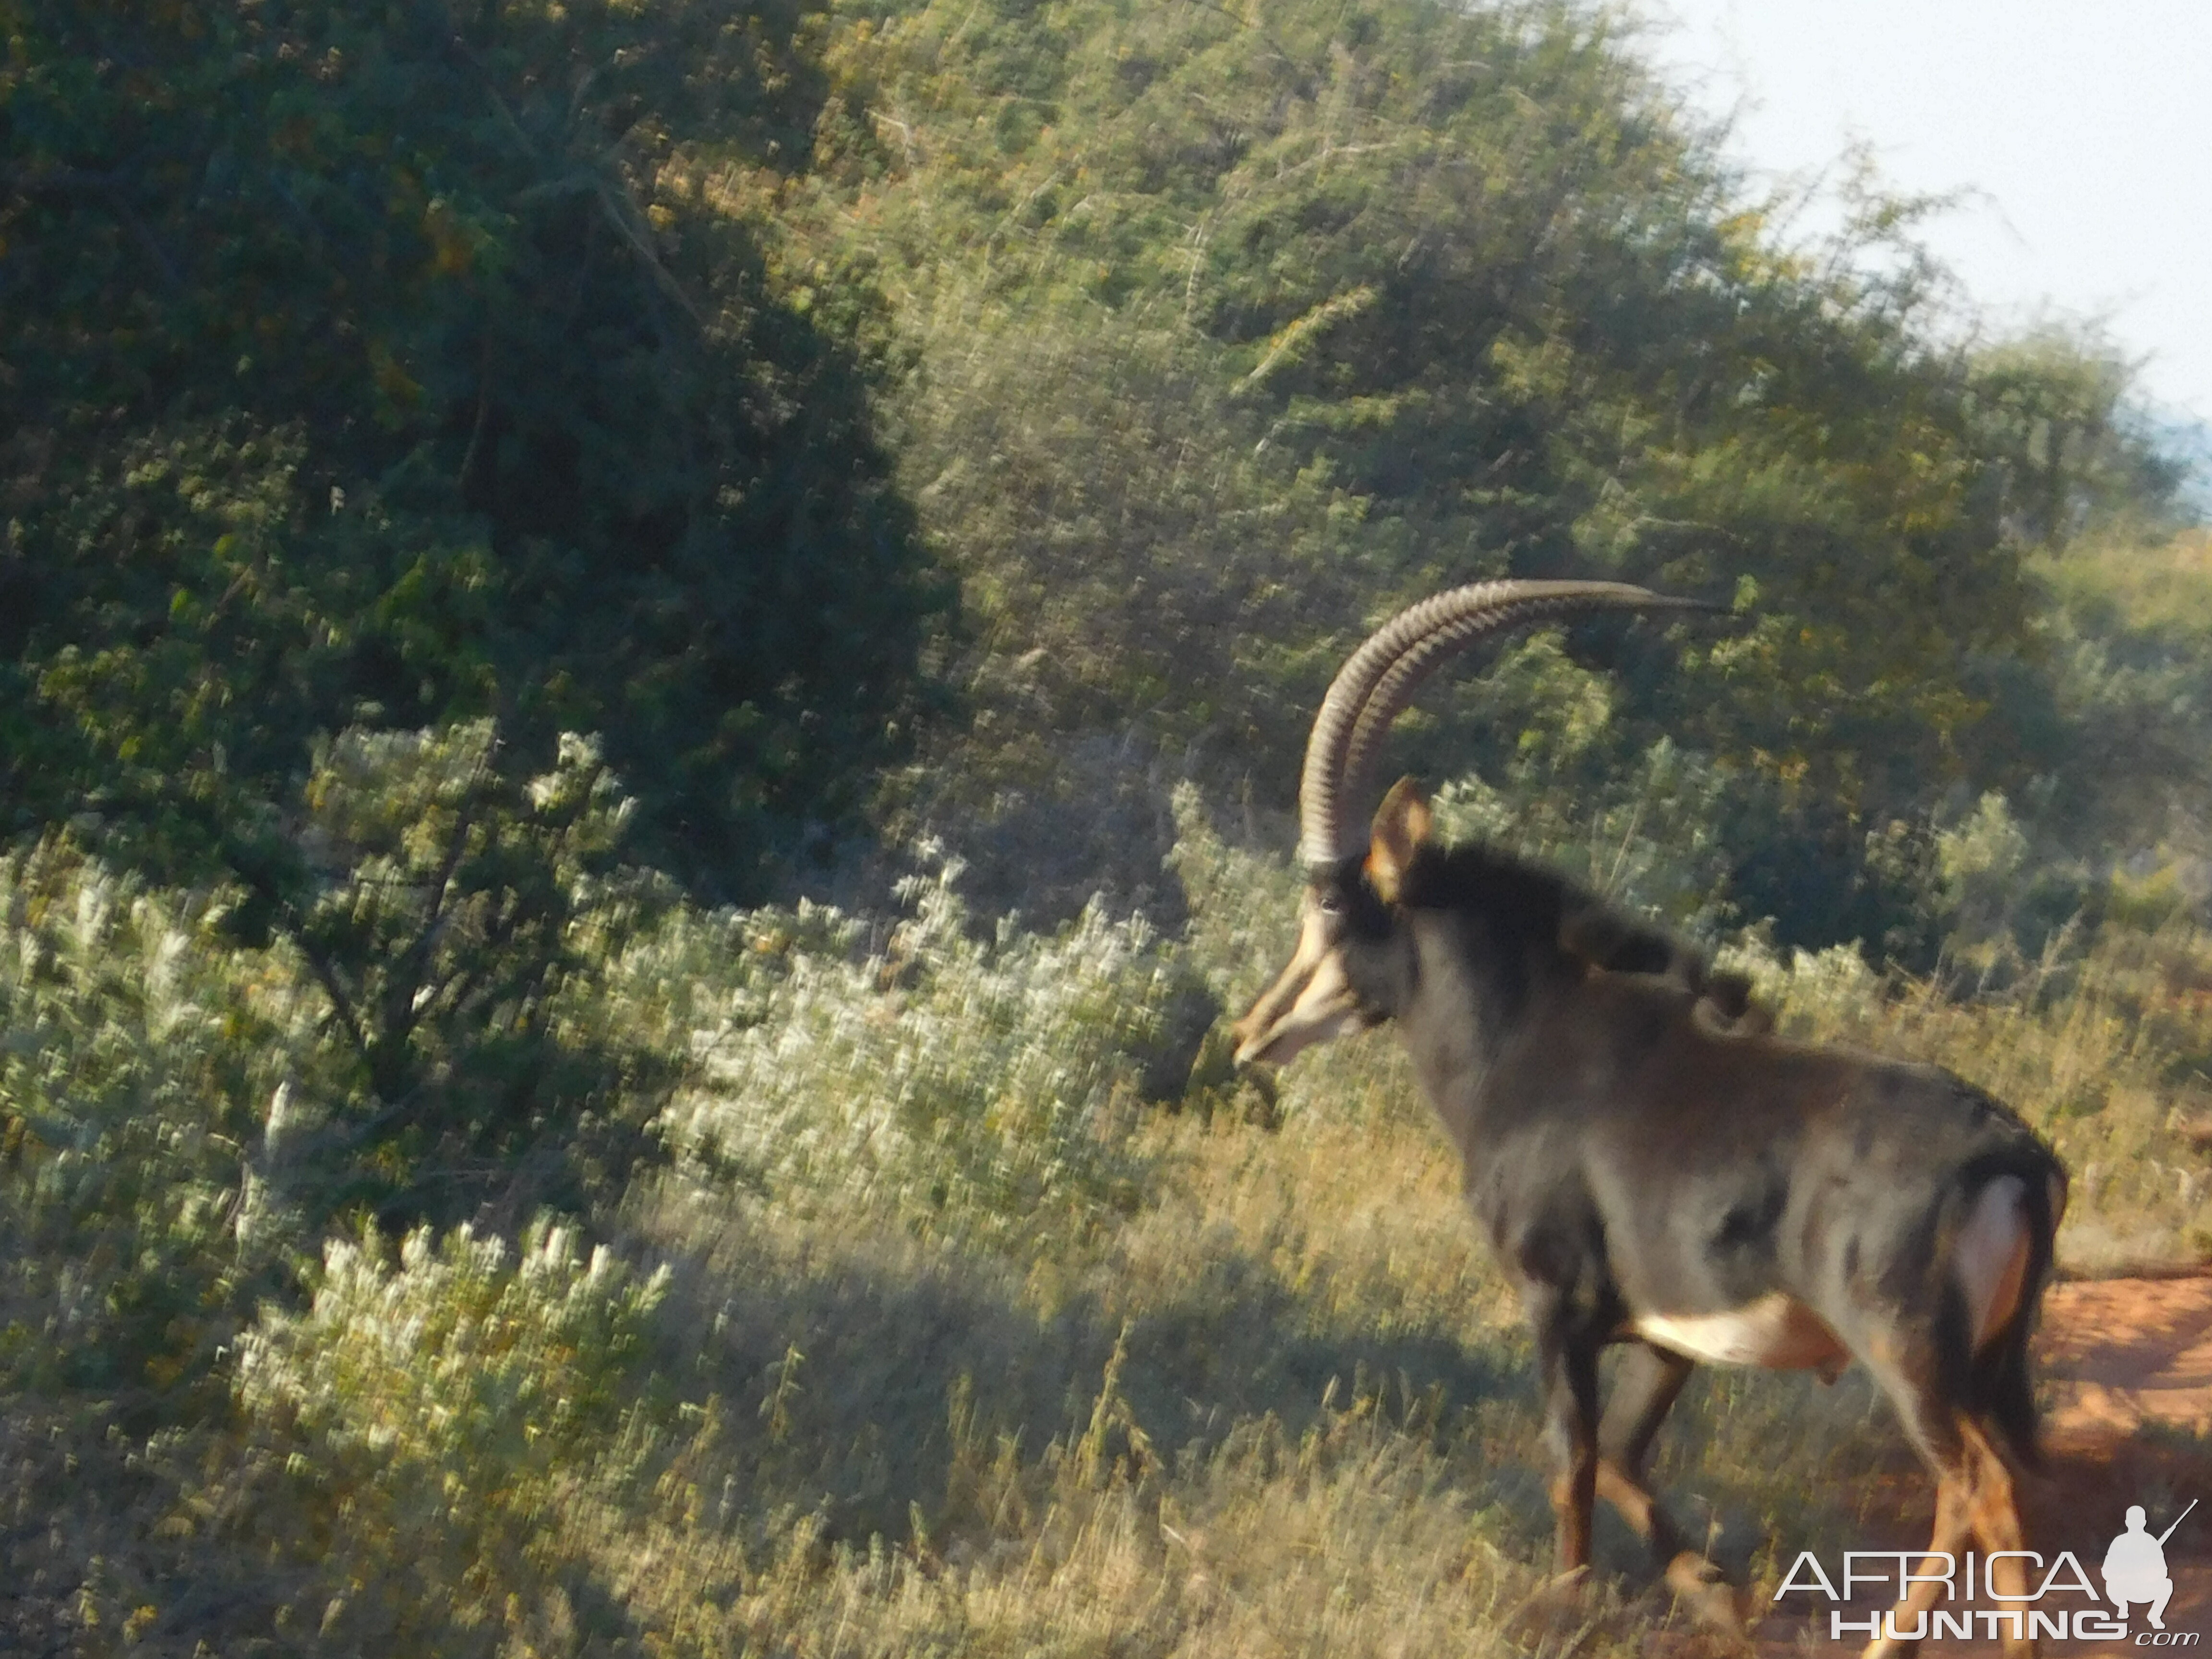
[(1644, 1390), (1974, 1500), (1955, 1503), (1993, 1511)]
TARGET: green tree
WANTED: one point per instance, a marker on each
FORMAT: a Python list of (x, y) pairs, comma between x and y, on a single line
[(1239, 327), (2054, 410), (419, 364)]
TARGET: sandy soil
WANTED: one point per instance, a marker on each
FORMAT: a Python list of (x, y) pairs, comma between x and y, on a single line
[(2128, 1362)]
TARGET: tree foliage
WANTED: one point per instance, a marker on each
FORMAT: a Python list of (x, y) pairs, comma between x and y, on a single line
[(401, 366), (528, 362), (1448, 294), (1237, 328)]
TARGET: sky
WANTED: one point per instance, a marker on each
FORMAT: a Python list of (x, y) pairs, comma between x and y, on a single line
[(2082, 130)]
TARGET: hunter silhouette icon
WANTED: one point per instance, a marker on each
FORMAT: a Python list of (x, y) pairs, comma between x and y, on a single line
[(2135, 1567)]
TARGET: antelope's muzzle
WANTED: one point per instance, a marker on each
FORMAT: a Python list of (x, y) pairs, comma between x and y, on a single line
[(1311, 1001)]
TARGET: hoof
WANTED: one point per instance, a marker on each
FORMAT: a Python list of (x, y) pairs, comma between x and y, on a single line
[(1558, 1603), (1700, 1591)]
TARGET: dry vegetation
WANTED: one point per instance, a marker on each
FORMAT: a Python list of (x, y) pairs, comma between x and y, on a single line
[(935, 1334)]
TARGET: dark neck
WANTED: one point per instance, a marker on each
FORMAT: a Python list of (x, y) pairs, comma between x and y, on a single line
[(1477, 946)]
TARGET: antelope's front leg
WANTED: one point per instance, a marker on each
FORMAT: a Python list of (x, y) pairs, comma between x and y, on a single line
[(1643, 1391), (1567, 1362)]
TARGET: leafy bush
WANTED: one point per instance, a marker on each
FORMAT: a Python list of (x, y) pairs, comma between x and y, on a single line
[(443, 1408), (431, 1036), (1238, 330), (145, 1071), (459, 924), (1646, 829), (960, 1083)]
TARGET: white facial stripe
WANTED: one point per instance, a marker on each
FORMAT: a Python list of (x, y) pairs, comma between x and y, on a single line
[(1323, 1006)]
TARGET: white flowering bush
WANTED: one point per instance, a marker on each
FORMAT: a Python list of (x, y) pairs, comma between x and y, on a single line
[(187, 1093), (464, 1349), (963, 1083), (443, 1412), (139, 1062)]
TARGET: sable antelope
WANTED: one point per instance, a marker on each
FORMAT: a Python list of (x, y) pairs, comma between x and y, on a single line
[(1653, 1170)]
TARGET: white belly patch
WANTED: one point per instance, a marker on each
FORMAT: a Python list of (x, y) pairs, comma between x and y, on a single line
[(1777, 1332)]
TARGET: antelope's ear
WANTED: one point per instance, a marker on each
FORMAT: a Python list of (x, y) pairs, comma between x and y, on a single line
[(1402, 824)]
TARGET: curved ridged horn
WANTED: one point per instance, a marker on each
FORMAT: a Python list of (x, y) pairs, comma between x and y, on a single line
[(1377, 681)]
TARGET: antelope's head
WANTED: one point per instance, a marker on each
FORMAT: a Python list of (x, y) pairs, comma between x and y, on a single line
[(1340, 977), (1345, 975)]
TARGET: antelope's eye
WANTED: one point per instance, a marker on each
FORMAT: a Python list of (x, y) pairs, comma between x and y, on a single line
[(1330, 904)]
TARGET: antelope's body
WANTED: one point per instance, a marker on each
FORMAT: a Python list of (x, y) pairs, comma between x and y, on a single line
[(1654, 1170)]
